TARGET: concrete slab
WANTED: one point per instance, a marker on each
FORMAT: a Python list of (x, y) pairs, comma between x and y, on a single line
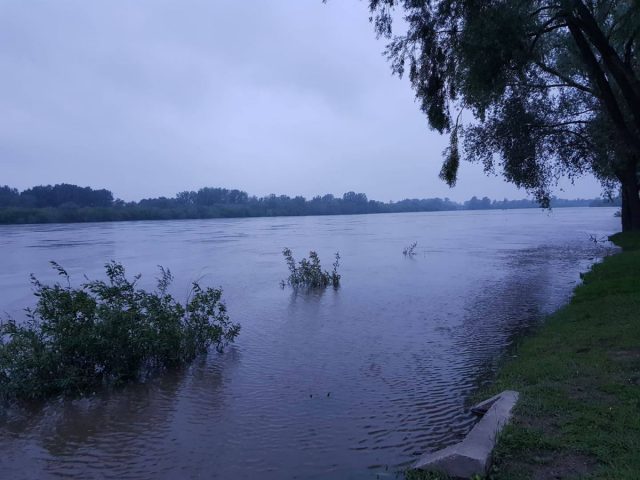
[(482, 407), (472, 456)]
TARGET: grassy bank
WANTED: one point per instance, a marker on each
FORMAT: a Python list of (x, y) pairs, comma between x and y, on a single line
[(579, 378)]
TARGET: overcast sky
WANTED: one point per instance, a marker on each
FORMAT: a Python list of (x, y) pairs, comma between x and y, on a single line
[(151, 97)]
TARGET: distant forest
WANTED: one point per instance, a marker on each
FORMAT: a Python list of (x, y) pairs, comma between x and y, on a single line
[(66, 203)]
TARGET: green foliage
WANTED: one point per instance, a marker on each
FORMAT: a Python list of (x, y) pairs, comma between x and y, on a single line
[(65, 194), (78, 339), (17, 208), (552, 85), (451, 164), (308, 272)]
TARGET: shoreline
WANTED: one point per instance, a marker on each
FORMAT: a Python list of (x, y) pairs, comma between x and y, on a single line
[(578, 375), (160, 218)]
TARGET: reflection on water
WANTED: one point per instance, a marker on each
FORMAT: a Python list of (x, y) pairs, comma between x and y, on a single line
[(352, 383)]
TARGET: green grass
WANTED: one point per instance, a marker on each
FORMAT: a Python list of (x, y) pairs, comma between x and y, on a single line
[(579, 380)]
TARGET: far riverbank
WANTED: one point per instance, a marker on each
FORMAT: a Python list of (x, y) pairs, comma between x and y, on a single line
[(65, 203)]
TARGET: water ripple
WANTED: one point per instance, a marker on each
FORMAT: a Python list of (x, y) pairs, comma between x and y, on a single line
[(351, 383)]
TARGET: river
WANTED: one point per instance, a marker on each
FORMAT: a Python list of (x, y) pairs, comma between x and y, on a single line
[(347, 383)]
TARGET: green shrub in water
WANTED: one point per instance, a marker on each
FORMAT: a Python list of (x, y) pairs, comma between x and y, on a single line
[(308, 272), (78, 339)]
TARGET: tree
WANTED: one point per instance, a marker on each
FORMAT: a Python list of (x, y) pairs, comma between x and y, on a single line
[(64, 193), (476, 203), (553, 86), (186, 198), (9, 196)]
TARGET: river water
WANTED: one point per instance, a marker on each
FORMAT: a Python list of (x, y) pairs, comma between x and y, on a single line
[(351, 383)]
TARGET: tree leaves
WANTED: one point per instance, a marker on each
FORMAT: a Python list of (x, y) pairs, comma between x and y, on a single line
[(517, 67)]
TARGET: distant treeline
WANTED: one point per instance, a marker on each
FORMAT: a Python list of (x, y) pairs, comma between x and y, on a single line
[(65, 203)]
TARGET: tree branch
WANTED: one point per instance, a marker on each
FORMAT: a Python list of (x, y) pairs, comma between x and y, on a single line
[(624, 77), (566, 79), (607, 96)]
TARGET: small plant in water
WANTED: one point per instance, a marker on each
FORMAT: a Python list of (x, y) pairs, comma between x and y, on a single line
[(410, 251), (78, 339), (308, 272), (601, 239)]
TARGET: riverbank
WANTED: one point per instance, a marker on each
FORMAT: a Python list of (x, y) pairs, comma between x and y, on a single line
[(579, 383), (65, 203)]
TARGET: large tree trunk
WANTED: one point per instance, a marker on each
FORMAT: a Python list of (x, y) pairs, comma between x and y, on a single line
[(630, 202)]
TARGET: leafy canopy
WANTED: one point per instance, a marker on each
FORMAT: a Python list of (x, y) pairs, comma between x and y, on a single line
[(550, 84)]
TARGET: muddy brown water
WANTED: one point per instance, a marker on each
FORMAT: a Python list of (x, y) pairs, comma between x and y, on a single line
[(353, 383)]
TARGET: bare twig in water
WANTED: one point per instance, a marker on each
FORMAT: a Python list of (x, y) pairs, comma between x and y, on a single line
[(410, 251)]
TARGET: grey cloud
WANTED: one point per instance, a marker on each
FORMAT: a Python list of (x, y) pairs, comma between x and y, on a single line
[(150, 97)]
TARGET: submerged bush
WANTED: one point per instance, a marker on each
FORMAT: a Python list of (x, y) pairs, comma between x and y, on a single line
[(78, 339), (308, 272), (410, 251)]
